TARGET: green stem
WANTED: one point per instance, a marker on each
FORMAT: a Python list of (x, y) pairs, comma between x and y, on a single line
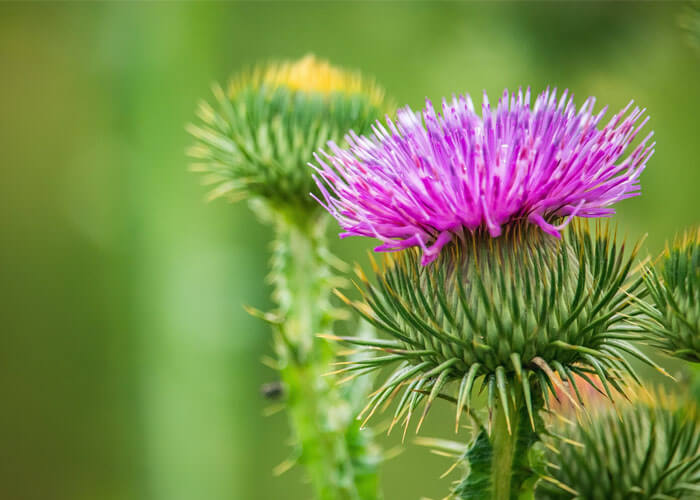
[(501, 463), (504, 441), (337, 456)]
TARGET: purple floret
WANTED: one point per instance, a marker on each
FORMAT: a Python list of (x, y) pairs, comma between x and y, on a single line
[(426, 178)]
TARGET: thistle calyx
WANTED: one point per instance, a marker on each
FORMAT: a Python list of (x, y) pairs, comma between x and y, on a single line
[(515, 315)]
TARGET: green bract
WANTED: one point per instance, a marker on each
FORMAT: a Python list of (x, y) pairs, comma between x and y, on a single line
[(674, 289), (649, 451), (261, 133), (522, 312)]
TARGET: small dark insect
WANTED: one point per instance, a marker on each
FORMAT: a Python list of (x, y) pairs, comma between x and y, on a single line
[(272, 390)]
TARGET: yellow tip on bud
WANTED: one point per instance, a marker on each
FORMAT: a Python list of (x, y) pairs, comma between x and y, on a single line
[(312, 75)]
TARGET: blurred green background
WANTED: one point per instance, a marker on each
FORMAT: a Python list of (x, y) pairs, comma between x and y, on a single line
[(128, 368)]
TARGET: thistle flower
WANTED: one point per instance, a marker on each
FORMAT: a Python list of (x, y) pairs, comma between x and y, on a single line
[(265, 127), (651, 450), (429, 178), (673, 318), (505, 297)]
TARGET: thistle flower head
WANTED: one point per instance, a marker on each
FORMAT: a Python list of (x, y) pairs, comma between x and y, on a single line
[(673, 317), (259, 136), (429, 177), (521, 313), (650, 450)]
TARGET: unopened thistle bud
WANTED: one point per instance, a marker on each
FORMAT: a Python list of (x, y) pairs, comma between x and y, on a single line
[(650, 449), (258, 137), (673, 317), (489, 284)]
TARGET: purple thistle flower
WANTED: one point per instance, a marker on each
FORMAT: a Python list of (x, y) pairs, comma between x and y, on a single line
[(427, 177)]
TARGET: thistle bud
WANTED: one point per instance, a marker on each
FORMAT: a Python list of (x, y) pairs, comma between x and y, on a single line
[(257, 138), (672, 320), (650, 450)]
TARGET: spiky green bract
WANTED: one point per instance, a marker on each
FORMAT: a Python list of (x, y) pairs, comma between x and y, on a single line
[(257, 138), (509, 311), (673, 320), (338, 456), (649, 451)]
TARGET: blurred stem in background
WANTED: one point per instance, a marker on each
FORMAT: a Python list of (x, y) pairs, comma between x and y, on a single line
[(337, 456)]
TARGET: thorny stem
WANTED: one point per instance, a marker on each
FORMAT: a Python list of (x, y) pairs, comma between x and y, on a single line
[(337, 456)]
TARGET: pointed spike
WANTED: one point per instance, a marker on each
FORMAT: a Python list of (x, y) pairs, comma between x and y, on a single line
[(601, 376), (588, 379), (528, 399), (342, 297), (437, 386), (412, 405), (461, 397), (546, 386), (578, 348), (268, 317), (502, 386), (491, 398), (372, 407), (391, 397), (465, 390), (283, 467), (557, 381), (572, 381), (402, 407), (552, 448), (365, 342), (450, 469), (561, 485), (442, 368), (517, 365), (627, 347), (567, 440)]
